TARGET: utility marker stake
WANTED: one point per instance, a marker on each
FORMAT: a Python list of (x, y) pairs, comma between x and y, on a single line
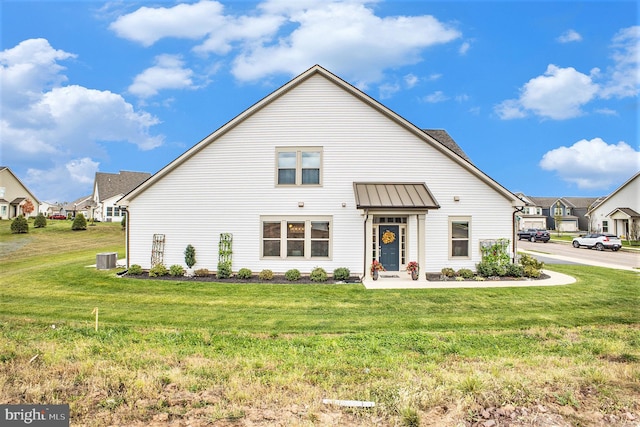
[(95, 311)]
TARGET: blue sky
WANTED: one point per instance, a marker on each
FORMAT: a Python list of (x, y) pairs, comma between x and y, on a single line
[(542, 96)]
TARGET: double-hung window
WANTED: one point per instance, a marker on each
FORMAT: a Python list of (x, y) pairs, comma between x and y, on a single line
[(297, 237), (460, 237), (299, 166)]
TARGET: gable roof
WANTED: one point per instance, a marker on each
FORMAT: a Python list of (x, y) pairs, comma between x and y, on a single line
[(113, 184), (79, 204), (617, 190), (445, 139), (433, 140), (627, 211), (35, 199)]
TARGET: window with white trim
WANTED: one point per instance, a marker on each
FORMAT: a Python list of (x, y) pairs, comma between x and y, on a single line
[(109, 211), (605, 226), (296, 237), (299, 166), (459, 237)]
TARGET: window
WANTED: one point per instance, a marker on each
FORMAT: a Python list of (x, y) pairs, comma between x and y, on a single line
[(460, 237), (303, 238), (109, 211), (299, 166), (605, 226)]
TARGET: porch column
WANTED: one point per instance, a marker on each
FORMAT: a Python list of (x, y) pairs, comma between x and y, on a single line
[(368, 243), (422, 250)]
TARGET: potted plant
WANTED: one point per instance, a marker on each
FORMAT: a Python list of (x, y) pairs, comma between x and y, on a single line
[(375, 268), (190, 260), (413, 269)]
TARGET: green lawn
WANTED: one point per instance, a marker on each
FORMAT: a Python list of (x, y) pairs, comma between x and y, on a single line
[(238, 352)]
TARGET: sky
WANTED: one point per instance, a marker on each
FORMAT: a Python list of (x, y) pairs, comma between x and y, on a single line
[(541, 95)]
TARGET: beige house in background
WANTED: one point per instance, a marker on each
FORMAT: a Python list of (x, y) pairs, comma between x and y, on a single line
[(619, 212), (13, 195), (108, 188)]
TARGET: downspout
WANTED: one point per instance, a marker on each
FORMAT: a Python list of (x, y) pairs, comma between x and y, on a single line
[(513, 233)]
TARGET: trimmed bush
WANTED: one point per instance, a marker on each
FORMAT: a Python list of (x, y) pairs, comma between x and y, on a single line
[(19, 225), (529, 271), (318, 274), (515, 270), (135, 270), (158, 270), (244, 274), (292, 275), (123, 222), (201, 272), (530, 266), (224, 270), (465, 273), (190, 256), (448, 272), (486, 269), (79, 223), (266, 275), (176, 270), (40, 221), (341, 273)]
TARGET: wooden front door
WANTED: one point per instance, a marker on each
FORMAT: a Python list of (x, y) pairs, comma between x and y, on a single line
[(389, 242)]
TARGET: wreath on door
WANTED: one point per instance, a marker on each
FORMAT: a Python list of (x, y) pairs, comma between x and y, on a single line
[(388, 237)]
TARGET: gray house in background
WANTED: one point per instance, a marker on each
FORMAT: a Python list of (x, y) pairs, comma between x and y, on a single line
[(572, 211)]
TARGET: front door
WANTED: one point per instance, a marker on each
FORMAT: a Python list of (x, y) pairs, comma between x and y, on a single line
[(389, 242)]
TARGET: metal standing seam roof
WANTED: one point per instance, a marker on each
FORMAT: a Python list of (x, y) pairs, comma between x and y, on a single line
[(394, 195)]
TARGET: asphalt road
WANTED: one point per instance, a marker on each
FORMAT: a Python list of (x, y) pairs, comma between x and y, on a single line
[(564, 253)]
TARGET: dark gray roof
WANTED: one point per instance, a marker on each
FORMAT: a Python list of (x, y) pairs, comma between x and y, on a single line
[(18, 200), (445, 139), (112, 184), (79, 204), (404, 195), (628, 211)]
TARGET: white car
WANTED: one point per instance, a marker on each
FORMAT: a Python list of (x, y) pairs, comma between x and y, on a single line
[(600, 241)]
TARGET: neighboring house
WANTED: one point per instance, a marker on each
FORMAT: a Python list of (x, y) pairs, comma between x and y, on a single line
[(570, 211), (619, 212), (13, 195), (83, 205), (108, 188), (531, 215), (318, 174), (47, 209)]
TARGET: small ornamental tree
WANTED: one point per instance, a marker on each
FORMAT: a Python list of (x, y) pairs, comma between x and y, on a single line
[(19, 225), (40, 221), (190, 256), (27, 207), (79, 223)]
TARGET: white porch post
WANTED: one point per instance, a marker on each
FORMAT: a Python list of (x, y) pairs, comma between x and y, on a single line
[(422, 255), (368, 237)]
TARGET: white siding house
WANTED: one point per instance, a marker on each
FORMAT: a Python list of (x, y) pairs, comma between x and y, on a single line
[(619, 212), (315, 174)]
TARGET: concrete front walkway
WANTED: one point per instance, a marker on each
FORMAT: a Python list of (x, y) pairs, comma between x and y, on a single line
[(401, 280)]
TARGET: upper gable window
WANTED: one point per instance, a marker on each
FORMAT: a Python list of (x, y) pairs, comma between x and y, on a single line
[(299, 166)]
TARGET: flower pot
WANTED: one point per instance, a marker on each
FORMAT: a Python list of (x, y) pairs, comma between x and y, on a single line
[(414, 274), (375, 274)]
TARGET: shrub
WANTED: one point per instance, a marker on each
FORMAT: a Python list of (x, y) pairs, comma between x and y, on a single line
[(465, 273), (292, 275), (123, 222), (244, 274), (318, 274), (40, 221), (224, 270), (176, 270), (201, 272), (190, 256), (515, 270), (486, 269), (448, 272), (135, 270), (19, 225), (530, 266), (266, 275), (530, 271), (79, 223), (158, 270), (341, 273)]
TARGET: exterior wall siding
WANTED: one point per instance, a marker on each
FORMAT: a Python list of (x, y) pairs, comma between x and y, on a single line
[(232, 183), (626, 197)]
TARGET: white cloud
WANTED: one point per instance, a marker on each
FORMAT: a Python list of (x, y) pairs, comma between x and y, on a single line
[(464, 48), (82, 170), (569, 36), (593, 164), (167, 73), (147, 25), (46, 125), (411, 80), (624, 76), (435, 97), (558, 94), (387, 90)]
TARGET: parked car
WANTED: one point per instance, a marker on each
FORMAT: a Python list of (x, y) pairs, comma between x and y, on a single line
[(534, 235), (58, 216), (600, 241)]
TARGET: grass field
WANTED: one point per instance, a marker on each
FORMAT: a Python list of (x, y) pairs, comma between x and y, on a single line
[(178, 353)]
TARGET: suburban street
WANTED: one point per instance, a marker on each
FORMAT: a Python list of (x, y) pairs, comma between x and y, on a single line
[(563, 253)]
